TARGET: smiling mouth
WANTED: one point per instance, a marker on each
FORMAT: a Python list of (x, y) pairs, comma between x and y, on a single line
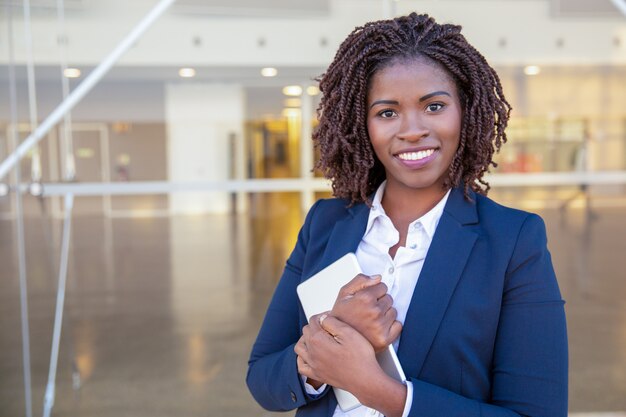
[(415, 156)]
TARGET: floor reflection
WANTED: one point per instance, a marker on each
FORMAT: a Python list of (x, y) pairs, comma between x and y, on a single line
[(161, 312)]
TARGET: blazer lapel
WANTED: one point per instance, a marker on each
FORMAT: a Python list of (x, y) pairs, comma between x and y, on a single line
[(445, 261), (346, 235)]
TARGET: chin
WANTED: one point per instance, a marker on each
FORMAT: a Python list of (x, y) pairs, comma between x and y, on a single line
[(425, 183)]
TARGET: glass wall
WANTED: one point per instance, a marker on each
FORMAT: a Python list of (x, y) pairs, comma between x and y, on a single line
[(167, 289)]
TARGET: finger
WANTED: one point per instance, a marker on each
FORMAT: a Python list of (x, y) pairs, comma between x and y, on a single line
[(391, 314), (385, 303), (357, 284), (371, 294), (395, 330), (321, 319), (318, 334), (314, 324), (302, 365), (387, 295), (300, 348), (304, 368), (307, 371), (334, 327)]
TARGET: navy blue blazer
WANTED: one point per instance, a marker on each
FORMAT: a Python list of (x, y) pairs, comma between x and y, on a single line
[(485, 331)]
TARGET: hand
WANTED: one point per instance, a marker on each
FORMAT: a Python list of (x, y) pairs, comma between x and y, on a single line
[(336, 354), (364, 304)]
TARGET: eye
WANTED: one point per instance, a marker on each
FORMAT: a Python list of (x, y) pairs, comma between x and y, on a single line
[(386, 114), (434, 107)]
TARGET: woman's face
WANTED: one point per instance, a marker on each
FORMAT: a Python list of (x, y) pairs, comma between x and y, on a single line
[(414, 123)]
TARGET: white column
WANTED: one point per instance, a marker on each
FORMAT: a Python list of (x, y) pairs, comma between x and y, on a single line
[(306, 150), (201, 121), (240, 151)]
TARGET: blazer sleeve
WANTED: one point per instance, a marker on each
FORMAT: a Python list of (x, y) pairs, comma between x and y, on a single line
[(273, 377), (530, 360)]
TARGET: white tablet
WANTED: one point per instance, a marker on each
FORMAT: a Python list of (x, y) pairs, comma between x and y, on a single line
[(318, 294)]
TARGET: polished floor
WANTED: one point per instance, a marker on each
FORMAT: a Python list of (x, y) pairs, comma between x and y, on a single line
[(161, 312)]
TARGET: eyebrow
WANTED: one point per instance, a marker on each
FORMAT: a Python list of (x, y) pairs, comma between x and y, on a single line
[(424, 98), (436, 93), (383, 102)]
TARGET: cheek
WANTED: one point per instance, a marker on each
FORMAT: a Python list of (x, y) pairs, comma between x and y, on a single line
[(377, 140), (453, 132), (373, 134), (378, 132), (453, 144)]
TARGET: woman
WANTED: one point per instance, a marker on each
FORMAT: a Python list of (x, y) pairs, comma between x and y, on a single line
[(463, 287)]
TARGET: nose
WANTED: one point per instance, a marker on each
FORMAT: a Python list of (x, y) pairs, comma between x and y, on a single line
[(412, 128)]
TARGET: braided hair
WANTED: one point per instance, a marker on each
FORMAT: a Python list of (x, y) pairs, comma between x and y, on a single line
[(346, 154)]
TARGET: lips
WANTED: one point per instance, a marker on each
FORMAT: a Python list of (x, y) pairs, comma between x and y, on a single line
[(416, 158), (415, 155)]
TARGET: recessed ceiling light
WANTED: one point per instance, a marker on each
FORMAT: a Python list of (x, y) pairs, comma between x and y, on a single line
[(312, 90), (532, 70), (269, 72), (292, 90), (71, 72), (187, 72)]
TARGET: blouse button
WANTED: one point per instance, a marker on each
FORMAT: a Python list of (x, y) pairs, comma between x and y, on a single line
[(413, 246), (391, 270)]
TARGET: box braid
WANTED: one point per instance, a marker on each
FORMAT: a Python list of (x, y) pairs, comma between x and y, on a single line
[(346, 154)]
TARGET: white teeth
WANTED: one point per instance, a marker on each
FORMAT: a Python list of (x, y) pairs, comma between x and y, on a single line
[(415, 156)]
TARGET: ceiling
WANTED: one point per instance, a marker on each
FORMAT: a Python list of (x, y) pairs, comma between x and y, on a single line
[(254, 8), (307, 8)]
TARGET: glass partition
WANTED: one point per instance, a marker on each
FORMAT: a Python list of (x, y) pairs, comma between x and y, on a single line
[(167, 289)]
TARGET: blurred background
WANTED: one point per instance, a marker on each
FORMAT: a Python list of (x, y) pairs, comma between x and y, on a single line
[(190, 162)]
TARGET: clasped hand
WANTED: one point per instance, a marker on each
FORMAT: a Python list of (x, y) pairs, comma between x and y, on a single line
[(364, 304), (340, 348)]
